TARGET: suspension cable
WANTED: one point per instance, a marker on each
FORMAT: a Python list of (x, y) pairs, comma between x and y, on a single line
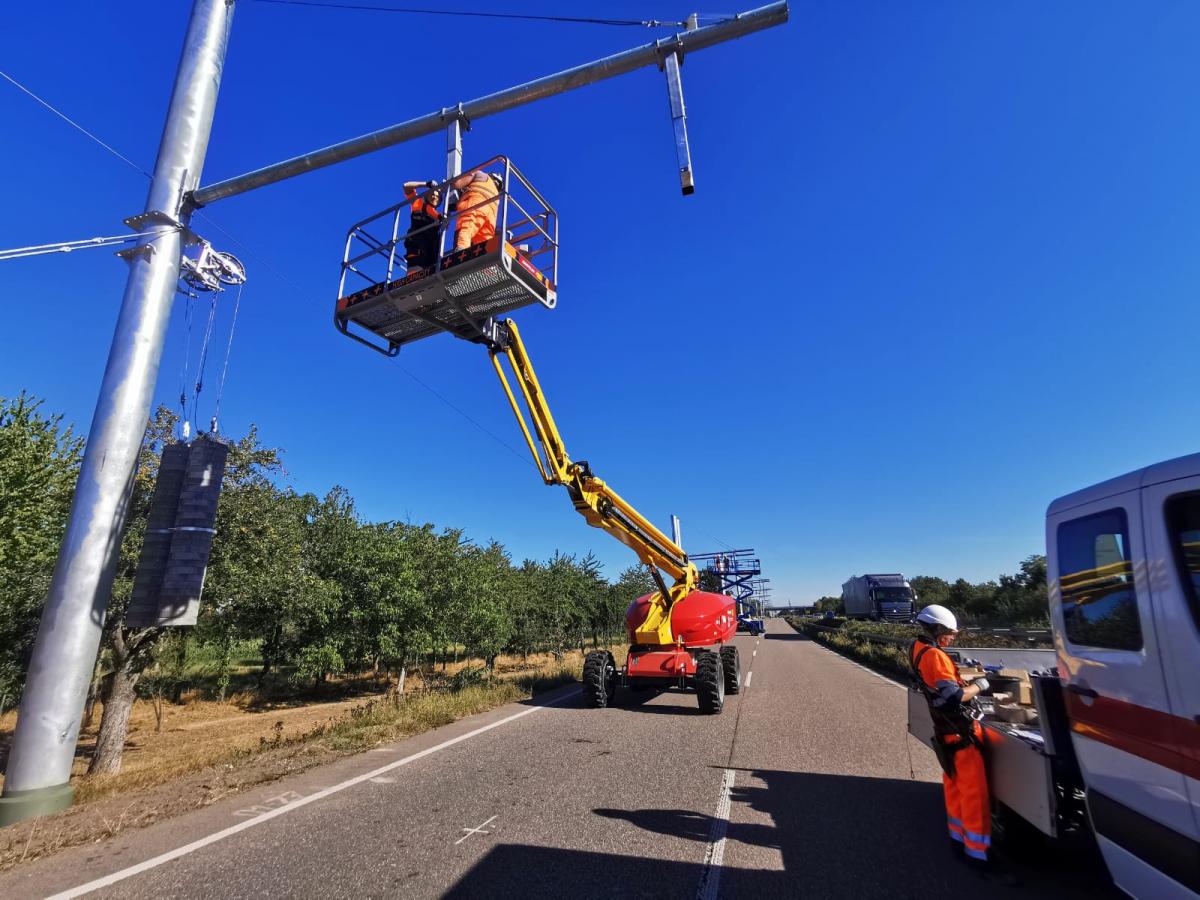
[(81, 244), (237, 303)]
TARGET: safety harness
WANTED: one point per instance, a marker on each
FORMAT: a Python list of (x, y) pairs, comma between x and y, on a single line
[(959, 721)]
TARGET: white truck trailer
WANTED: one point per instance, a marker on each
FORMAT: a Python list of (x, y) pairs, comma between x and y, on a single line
[(1116, 743)]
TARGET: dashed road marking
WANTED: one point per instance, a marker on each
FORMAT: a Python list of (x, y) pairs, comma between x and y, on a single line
[(178, 852), (710, 881), (749, 675), (478, 829)]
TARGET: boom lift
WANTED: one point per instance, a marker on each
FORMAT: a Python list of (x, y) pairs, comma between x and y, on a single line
[(678, 634)]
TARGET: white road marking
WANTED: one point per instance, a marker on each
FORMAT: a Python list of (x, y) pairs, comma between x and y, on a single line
[(178, 852), (710, 881), (749, 675), (754, 654), (383, 779), (481, 829), (279, 800)]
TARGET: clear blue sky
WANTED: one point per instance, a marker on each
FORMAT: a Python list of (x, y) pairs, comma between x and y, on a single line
[(940, 266)]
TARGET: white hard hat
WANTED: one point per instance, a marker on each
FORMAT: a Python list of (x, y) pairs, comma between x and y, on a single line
[(938, 615)]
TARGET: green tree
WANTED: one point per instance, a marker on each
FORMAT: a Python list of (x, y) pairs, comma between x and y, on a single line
[(930, 590), (39, 464)]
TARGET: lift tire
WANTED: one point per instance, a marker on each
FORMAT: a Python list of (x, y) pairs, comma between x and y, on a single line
[(710, 682), (731, 664), (599, 679)]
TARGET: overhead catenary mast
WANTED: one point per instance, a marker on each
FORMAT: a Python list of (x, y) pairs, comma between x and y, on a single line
[(39, 767)]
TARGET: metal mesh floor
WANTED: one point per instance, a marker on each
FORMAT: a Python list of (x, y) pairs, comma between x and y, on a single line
[(456, 300)]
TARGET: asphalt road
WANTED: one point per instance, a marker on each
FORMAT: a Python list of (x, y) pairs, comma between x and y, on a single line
[(807, 785)]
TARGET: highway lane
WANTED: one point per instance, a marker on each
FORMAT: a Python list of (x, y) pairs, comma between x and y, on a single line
[(802, 787)]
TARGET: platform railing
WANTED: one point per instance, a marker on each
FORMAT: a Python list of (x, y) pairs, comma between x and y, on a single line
[(375, 246)]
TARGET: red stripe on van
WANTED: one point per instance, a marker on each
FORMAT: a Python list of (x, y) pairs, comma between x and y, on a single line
[(1154, 735)]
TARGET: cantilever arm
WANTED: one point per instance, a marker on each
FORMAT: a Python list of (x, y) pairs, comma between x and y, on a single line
[(599, 504)]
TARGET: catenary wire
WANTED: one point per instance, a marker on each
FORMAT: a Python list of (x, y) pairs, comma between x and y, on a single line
[(73, 123), (82, 244), (578, 20)]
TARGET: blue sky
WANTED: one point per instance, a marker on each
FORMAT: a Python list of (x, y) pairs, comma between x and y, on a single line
[(940, 266)]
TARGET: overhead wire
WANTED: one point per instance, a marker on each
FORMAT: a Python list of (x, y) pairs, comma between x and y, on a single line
[(125, 159), (81, 244), (528, 17)]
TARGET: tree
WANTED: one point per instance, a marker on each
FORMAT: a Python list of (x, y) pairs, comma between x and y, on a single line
[(828, 604), (130, 649), (487, 625), (930, 590), (39, 464)]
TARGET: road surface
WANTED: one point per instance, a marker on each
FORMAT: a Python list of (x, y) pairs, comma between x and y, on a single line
[(807, 785)]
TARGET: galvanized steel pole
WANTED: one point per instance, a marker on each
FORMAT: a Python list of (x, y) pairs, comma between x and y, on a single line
[(39, 765), (611, 66)]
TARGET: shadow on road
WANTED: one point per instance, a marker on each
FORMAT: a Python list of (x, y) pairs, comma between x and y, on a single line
[(827, 836), (786, 636)]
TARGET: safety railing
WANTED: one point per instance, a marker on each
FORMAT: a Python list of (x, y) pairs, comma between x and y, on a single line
[(385, 248)]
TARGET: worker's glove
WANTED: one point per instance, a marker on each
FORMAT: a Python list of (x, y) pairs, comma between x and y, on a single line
[(982, 684), (972, 662)]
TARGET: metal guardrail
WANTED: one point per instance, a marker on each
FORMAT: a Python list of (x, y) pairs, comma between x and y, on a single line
[(1016, 633)]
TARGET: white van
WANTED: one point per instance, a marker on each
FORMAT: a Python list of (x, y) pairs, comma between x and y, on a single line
[(1117, 742)]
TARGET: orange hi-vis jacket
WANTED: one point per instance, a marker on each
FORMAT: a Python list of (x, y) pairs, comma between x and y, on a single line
[(968, 804), (477, 221)]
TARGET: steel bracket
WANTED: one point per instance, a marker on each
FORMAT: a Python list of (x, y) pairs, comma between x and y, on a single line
[(683, 153)]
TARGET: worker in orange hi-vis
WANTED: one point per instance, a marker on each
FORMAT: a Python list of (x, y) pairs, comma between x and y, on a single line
[(421, 242), (477, 204), (958, 736)]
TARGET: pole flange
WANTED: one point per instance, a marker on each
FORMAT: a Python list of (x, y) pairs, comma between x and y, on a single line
[(17, 806)]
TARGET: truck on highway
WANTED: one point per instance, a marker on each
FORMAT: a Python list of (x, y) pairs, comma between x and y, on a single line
[(1114, 743), (879, 597)]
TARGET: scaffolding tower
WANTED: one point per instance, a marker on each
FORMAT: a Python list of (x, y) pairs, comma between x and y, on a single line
[(736, 572)]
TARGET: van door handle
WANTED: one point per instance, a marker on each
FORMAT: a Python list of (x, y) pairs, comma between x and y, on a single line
[(1083, 691)]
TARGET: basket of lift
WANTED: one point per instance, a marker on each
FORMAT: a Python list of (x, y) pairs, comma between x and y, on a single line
[(449, 258)]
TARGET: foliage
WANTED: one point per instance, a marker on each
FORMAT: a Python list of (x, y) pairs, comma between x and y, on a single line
[(305, 583), (1018, 599), (39, 462)]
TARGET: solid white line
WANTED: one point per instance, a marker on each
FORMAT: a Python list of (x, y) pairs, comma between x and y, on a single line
[(749, 675), (275, 813), (710, 881)]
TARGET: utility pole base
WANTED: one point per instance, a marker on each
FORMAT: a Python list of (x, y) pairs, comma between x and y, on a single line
[(17, 806)]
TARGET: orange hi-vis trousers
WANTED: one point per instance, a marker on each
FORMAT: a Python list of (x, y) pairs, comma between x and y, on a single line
[(968, 807), (475, 227)]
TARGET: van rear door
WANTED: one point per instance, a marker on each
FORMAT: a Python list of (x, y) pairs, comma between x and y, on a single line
[(1115, 690)]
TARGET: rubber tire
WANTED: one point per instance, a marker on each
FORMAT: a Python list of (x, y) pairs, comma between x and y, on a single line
[(710, 682), (599, 679), (731, 664)]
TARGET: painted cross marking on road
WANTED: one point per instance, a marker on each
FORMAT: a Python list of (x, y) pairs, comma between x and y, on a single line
[(479, 829)]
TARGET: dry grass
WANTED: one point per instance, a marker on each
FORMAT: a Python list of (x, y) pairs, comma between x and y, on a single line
[(200, 733)]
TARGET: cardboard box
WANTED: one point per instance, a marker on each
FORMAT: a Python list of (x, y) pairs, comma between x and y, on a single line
[(1014, 714)]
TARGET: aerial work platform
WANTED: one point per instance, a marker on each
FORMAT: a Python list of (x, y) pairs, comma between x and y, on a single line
[(384, 303)]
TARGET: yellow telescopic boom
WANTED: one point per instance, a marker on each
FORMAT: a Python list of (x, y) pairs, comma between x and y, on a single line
[(599, 504)]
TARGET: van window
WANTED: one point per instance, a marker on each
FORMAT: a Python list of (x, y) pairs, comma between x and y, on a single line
[(1183, 518), (1096, 578)]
